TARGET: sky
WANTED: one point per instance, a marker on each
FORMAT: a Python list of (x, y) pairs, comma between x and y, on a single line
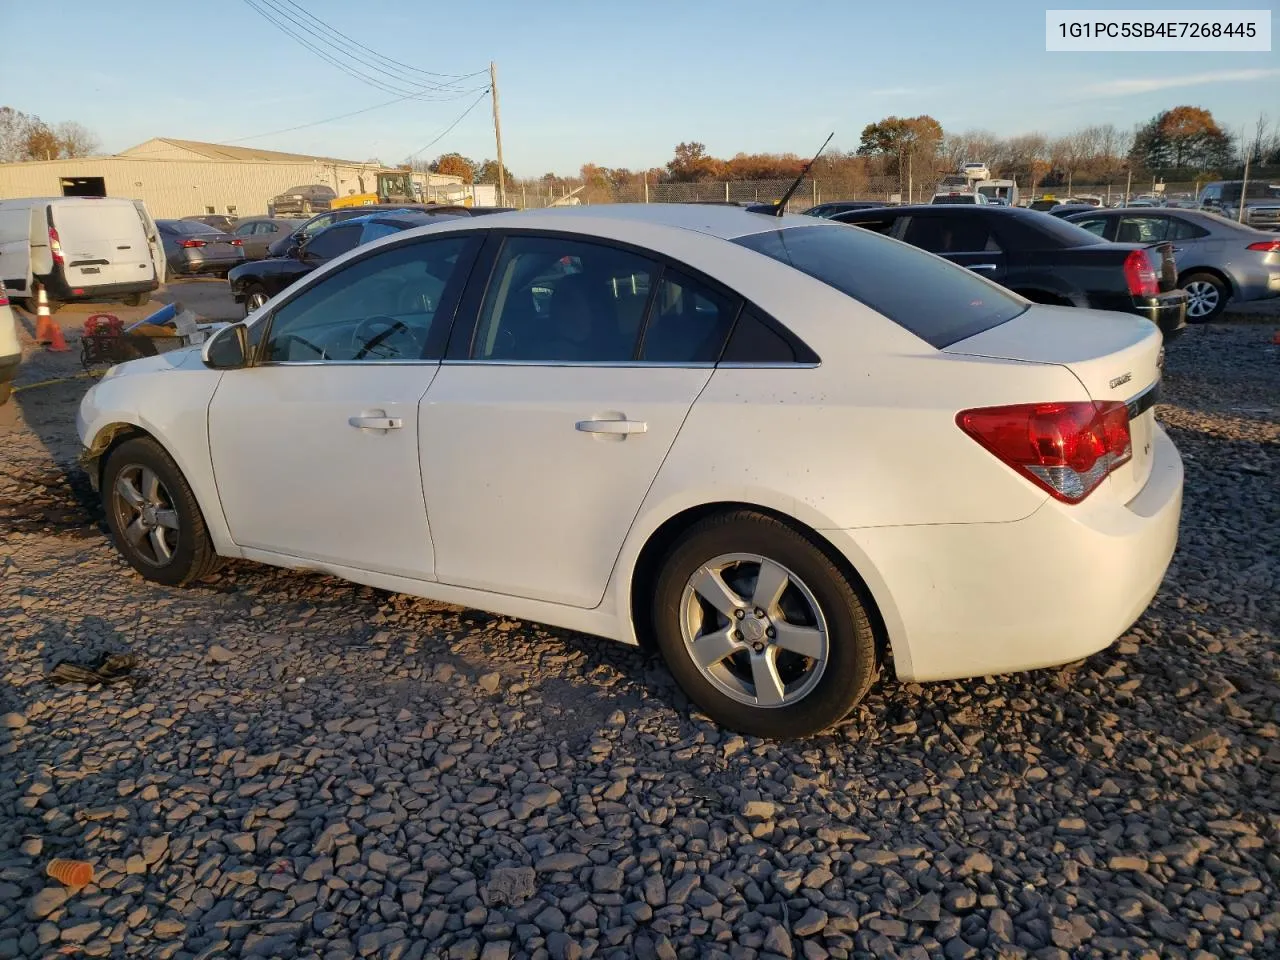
[(596, 81)]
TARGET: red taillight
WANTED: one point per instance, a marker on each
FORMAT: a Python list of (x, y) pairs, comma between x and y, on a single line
[(1266, 246), (237, 242), (1066, 449), (55, 246), (193, 243), (4, 299), (1140, 275)]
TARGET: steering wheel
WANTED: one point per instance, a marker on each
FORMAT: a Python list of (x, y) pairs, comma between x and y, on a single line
[(286, 337), (364, 339)]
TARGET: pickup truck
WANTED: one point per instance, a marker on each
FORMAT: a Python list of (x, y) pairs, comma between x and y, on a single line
[(1041, 257)]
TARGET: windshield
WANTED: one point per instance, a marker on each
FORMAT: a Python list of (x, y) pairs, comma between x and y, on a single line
[(396, 184), (936, 300)]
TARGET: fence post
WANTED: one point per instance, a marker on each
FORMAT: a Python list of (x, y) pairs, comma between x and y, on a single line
[(726, 191), (646, 187), (815, 191)]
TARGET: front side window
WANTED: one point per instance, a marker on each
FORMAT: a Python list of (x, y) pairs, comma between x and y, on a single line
[(375, 231), (688, 322), (561, 300), (318, 224), (383, 307), (244, 229), (937, 301), (1180, 229)]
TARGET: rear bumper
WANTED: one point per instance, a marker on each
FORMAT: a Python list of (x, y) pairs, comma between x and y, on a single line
[(59, 289), (201, 264), (965, 600), (1168, 311)]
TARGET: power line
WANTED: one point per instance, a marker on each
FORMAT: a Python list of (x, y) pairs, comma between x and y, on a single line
[(341, 116), (443, 133), (345, 68), (352, 40), (344, 51)]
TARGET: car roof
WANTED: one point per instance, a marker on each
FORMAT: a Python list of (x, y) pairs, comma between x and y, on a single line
[(725, 222)]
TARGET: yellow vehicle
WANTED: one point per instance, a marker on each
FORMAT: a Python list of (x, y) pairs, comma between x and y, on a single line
[(392, 188)]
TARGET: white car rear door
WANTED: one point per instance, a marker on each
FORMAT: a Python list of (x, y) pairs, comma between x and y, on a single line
[(540, 441)]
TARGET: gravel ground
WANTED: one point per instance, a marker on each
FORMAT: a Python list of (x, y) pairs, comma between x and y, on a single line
[(315, 769)]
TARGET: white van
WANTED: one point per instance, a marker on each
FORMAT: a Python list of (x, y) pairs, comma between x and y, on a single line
[(10, 349), (97, 249)]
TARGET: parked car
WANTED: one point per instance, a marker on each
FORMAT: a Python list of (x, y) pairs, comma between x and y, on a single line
[(287, 246), (1042, 258), (256, 234), (302, 200), (257, 281), (1219, 261), (10, 348), (1261, 202), (1066, 209), (193, 247), (1043, 204), (541, 414), (80, 249), (839, 206), (217, 220), (973, 199)]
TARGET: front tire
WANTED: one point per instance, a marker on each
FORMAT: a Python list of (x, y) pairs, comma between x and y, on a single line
[(153, 515), (760, 627), (255, 295), (1207, 297)]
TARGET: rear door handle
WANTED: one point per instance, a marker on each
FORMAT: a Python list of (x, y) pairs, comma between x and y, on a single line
[(376, 423), (983, 266), (616, 427)]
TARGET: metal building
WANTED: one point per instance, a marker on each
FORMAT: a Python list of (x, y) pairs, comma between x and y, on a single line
[(178, 178)]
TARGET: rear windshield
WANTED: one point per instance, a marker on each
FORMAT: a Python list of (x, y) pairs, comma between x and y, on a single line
[(190, 227), (937, 301), (1063, 233), (955, 198)]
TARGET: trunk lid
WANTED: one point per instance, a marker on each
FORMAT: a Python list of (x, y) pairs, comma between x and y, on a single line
[(1116, 356)]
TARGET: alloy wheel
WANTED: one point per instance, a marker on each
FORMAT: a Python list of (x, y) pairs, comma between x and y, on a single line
[(754, 629), (145, 514), (1202, 298), (256, 300)]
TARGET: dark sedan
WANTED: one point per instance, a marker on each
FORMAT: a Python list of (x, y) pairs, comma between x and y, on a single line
[(258, 233), (256, 282), (192, 247), (1045, 259), (831, 208)]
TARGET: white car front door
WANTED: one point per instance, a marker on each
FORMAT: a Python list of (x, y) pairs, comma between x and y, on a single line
[(540, 442), (315, 447)]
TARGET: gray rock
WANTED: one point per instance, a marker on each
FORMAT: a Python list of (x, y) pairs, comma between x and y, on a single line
[(219, 654), (813, 922), (46, 901), (778, 941)]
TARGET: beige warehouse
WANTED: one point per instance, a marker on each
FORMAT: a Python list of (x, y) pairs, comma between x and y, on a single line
[(178, 178)]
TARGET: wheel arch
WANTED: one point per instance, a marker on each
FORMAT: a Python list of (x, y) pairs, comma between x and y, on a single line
[(644, 570), (1213, 272)]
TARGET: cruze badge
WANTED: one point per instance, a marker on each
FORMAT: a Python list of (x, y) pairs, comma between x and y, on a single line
[(1123, 378)]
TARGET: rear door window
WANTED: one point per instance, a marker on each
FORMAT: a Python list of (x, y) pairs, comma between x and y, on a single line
[(937, 301), (1142, 229), (950, 234)]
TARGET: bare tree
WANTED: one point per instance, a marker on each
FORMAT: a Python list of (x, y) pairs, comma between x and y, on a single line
[(76, 140)]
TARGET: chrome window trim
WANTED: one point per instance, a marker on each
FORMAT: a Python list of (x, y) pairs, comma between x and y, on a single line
[(349, 363), (610, 364), (1144, 401)]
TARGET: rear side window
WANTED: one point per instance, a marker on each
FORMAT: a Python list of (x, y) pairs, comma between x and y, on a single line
[(950, 234), (190, 228), (937, 301)]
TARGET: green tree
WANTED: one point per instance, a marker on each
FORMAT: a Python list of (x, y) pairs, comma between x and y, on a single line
[(905, 144), (692, 163), (488, 173), (1182, 138)]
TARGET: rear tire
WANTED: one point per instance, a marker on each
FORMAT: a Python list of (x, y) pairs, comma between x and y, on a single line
[(153, 515), (776, 593), (136, 299), (1207, 297), (6, 391)]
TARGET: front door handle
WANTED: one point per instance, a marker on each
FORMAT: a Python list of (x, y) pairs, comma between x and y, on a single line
[(983, 266), (616, 427), (376, 423)]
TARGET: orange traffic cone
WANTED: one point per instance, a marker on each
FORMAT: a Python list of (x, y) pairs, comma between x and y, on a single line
[(48, 332)]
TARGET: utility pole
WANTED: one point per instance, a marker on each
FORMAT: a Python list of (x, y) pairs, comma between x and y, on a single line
[(497, 134), (1128, 187), (1244, 184)]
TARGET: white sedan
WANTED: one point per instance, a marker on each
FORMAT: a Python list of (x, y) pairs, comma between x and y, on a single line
[(780, 450)]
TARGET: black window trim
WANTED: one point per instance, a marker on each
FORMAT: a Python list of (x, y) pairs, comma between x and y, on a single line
[(437, 339), (467, 317)]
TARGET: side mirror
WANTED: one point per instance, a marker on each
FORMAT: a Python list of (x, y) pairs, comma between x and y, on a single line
[(228, 349)]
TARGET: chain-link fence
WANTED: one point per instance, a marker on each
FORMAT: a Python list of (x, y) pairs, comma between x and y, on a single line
[(811, 191)]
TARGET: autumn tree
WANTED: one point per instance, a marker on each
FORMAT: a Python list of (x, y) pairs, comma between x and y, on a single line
[(692, 163), (1181, 138), (40, 143), (454, 165), (907, 145)]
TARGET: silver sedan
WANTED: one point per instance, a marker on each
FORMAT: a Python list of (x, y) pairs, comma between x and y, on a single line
[(1219, 260)]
